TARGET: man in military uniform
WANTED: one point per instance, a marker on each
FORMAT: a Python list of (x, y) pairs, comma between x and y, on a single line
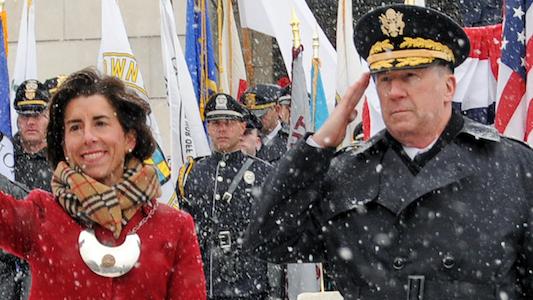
[(31, 165), (218, 192), (436, 206), (262, 101)]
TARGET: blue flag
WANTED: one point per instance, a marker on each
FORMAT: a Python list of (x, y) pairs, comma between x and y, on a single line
[(199, 52), (318, 107), (5, 119)]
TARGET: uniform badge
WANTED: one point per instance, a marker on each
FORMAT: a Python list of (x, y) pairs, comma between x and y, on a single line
[(221, 102), (392, 23), (249, 177), (31, 89)]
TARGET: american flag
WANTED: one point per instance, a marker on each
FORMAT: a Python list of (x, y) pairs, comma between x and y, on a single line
[(514, 112)]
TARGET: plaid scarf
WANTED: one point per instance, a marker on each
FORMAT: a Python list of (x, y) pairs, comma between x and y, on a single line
[(90, 201)]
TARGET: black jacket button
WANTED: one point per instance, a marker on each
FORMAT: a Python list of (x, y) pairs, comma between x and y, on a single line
[(448, 261), (399, 263)]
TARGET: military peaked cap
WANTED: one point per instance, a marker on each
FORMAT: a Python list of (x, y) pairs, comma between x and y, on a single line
[(252, 122), (31, 97), (223, 107), (408, 36), (54, 83), (261, 97)]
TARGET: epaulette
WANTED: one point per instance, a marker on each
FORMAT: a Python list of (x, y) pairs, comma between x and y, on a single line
[(480, 131), (184, 171)]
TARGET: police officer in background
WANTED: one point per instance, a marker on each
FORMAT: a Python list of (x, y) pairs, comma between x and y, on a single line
[(284, 109), (218, 191), (31, 165), (436, 206), (262, 100), (251, 138)]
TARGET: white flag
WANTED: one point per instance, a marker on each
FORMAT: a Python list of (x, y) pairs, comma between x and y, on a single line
[(26, 59), (349, 64), (300, 115), (116, 59), (272, 17), (188, 138), (7, 159), (232, 70)]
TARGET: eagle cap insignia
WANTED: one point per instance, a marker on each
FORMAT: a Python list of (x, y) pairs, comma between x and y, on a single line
[(30, 90), (392, 23), (221, 102)]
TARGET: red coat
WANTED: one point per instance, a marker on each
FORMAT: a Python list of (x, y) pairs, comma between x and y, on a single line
[(40, 231)]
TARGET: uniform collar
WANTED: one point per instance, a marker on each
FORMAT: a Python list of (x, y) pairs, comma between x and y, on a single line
[(232, 156)]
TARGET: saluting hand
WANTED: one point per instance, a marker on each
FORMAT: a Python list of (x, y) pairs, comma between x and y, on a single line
[(331, 134)]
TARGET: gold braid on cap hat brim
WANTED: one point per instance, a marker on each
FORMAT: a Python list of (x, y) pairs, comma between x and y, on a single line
[(382, 53), (261, 106), (32, 102)]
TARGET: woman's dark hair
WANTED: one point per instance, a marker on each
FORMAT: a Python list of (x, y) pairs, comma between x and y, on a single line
[(131, 111)]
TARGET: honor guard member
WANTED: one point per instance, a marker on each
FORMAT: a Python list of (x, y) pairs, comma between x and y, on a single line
[(262, 100), (31, 165), (218, 191), (436, 206)]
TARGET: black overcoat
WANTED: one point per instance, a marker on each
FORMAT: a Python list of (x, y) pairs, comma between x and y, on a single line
[(459, 229)]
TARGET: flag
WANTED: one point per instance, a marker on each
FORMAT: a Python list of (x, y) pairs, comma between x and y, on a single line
[(350, 66), (272, 16), (26, 58), (188, 138), (231, 63), (514, 112), (5, 108), (318, 108), (7, 163), (475, 94), (116, 59), (199, 52), (300, 101)]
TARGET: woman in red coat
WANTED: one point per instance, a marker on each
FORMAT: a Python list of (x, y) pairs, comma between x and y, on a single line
[(102, 234)]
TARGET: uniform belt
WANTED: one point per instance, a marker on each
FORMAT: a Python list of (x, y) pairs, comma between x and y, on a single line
[(417, 287)]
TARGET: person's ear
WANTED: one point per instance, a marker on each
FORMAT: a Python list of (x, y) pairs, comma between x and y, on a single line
[(131, 141), (451, 85)]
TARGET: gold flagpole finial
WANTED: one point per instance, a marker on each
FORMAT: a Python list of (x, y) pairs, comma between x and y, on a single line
[(316, 43), (295, 24)]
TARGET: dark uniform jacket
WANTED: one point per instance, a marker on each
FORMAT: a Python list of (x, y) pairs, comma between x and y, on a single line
[(221, 222), (14, 280), (32, 170), (455, 223), (273, 150)]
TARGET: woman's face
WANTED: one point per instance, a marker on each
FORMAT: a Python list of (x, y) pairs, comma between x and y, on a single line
[(95, 140)]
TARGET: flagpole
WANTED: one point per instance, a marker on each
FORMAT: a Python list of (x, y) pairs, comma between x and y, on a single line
[(314, 85), (247, 54), (229, 8), (295, 25), (220, 20), (204, 63)]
